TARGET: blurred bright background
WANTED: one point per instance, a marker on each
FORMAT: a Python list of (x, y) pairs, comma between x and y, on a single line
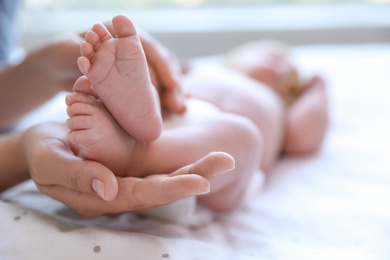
[(203, 27), (180, 3)]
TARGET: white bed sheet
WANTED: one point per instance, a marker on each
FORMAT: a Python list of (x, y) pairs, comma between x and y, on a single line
[(332, 205)]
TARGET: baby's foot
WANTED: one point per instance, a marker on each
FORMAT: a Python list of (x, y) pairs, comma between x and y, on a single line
[(96, 135), (118, 71)]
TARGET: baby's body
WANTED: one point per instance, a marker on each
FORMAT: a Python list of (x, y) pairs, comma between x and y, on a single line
[(115, 118), (98, 135)]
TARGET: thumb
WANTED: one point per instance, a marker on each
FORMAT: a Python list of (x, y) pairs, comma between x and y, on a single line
[(69, 171), (52, 163), (94, 178)]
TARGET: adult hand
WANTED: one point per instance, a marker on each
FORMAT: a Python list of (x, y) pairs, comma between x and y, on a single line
[(58, 62), (40, 76), (165, 71), (91, 189)]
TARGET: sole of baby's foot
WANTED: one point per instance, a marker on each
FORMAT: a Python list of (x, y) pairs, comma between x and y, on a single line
[(96, 135), (118, 71)]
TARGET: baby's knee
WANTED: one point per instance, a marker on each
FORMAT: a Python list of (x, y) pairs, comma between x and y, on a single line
[(246, 137)]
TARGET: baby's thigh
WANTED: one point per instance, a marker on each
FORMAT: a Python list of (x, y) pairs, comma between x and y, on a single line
[(228, 132), (235, 93), (206, 128)]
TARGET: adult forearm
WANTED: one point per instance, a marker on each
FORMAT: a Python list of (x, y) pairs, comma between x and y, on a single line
[(13, 166), (23, 88)]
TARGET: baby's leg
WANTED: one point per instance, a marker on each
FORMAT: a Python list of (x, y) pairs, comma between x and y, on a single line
[(96, 135), (118, 71), (206, 133), (238, 94)]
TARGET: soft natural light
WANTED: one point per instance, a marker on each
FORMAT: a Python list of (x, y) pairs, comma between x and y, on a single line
[(189, 3), (178, 3), (203, 27)]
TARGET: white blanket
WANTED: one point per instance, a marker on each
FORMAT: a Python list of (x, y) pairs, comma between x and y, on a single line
[(332, 205)]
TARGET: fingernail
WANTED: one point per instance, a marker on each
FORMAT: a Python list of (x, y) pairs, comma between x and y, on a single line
[(180, 101), (203, 190), (69, 136), (98, 187), (225, 171)]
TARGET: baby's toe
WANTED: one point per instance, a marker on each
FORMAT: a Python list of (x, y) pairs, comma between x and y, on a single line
[(80, 123), (102, 32), (92, 38), (86, 50)]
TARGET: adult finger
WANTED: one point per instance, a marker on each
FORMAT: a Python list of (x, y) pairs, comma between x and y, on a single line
[(163, 61), (134, 194), (210, 166), (167, 69)]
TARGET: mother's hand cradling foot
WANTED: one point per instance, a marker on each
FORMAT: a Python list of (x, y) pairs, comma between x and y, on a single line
[(91, 189)]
